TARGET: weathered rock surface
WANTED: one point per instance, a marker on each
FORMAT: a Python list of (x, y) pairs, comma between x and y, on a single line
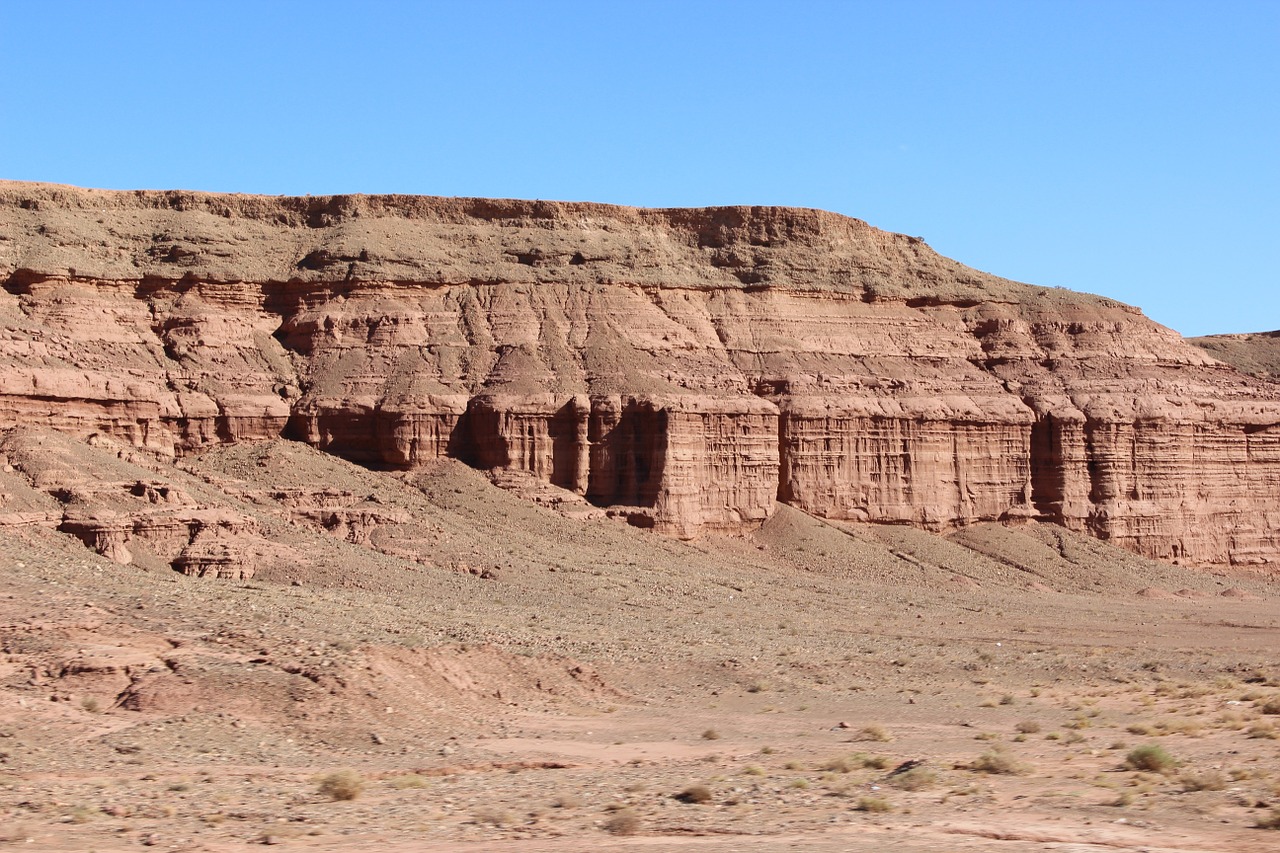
[(688, 367), (1256, 354)]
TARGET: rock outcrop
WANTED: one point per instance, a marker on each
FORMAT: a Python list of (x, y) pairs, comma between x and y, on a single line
[(688, 367), (1257, 354)]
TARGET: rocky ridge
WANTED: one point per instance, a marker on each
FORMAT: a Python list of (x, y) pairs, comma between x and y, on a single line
[(685, 368)]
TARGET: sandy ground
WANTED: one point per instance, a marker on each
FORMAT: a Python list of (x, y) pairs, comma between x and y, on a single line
[(526, 681)]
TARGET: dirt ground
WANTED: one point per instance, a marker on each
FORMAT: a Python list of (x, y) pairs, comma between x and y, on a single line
[(479, 671)]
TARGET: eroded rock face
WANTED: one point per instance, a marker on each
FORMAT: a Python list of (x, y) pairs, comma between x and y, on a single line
[(688, 367)]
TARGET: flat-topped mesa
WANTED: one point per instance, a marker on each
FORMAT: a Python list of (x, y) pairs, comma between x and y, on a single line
[(688, 367)]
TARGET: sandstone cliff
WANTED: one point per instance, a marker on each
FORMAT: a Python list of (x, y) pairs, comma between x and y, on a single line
[(688, 367)]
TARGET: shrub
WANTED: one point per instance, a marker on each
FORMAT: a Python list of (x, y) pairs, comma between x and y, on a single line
[(623, 822), (407, 780), (696, 794), (1271, 821), (1271, 706), (915, 779), (1028, 727), (341, 785), (1208, 781), (1150, 757), (711, 734), (994, 761), (873, 804), (874, 733)]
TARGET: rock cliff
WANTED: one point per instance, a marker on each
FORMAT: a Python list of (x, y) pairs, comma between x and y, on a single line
[(686, 367)]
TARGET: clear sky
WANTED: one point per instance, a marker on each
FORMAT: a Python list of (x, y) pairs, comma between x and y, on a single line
[(1130, 149)]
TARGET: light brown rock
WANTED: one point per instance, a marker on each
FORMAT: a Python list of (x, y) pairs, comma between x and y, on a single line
[(685, 366)]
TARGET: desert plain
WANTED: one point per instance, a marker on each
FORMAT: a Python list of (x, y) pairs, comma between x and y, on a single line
[(556, 682)]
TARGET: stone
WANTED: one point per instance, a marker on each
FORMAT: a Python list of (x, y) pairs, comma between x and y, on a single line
[(682, 369)]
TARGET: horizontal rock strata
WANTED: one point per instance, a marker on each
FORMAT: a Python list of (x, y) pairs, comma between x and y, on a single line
[(687, 367)]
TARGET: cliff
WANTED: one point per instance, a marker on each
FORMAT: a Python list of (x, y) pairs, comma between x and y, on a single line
[(688, 367)]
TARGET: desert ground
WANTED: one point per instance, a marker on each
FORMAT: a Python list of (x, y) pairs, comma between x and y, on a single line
[(509, 669)]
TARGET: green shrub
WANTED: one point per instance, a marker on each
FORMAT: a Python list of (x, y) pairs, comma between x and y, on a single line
[(1150, 757)]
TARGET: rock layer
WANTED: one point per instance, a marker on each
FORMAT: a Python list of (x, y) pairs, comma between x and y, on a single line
[(688, 367)]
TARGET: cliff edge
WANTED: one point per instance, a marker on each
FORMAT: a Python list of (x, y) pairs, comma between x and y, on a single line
[(686, 367)]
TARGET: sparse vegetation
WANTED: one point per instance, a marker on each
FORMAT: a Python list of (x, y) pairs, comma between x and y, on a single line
[(874, 733), (997, 762), (1027, 727), (873, 804), (1209, 780), (915, 779), (407, 780), (695, 794), (710, 734), (341, 785), (623, 822), (1151, 758)]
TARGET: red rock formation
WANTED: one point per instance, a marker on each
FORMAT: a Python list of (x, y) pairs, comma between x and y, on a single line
[(688, 367)]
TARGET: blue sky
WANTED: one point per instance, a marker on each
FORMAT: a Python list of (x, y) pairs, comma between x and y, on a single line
[(1130, 149)]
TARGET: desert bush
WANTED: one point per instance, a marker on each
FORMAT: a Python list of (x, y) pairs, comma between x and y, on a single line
[(711, 734), (1151, 757), (842, 764), (341, 785), (874, 733), (1210, 780), (873, 804), (623, 822), (915, 779), (1271, 706), (407, 780), (1028, 727), (995, 761), (492, 817), (1271, 821), (695, 794)]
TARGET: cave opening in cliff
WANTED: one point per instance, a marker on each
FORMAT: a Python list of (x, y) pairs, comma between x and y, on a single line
[(1048, 485)]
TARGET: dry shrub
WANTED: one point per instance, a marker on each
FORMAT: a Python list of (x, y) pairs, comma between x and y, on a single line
[(1028, 727), (711, 734), (492, 817), (873, 804), (995, 761), (341, 785), (696, 794), (1271, 706), (874, 733), (1150, 757), (407, 780), (915, 779), (1210, 780), (1271, 821), (623, 822)]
